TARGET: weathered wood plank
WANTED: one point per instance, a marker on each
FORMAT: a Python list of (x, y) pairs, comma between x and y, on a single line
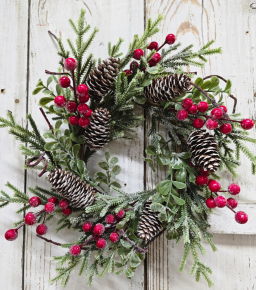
[(13, 78), (114, 19)]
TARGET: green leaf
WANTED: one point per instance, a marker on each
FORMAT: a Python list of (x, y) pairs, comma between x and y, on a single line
[(151, 150), (50, 146), (75, 150), (58, 124), (116, 170), (80, 139), (177, 107), (113, 161), (48, 135), (206, 85), (134, 261), (157, 198), (167, 104), (44, 101), (125, 244), (164, 186), (40, 83), (139, 99), (176, 163), (118, 265), (58, 89), (119, 272), (37, 90), (228, 86), (184, 155), (179, 185), (150, 162), (196, 95), (157, 207), (192, 177), (103, 165), (215, 82), (49, 80), (181, 175), (146, 83), (107, 155), (81, 166), (47, 92), (152, 70), (162, 217), (199, 82), (178, 200), (116, 184), (129, 273)]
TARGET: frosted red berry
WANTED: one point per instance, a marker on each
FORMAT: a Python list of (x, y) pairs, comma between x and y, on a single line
[(192, 109), (187, 103), (53, 199), (71, 107), (120, 214), (224, 108), (70, 64), (182, 115), (110, 219), (211, 124), (101, 244), (127, 72), (210, 202), (134, 65), (153, 45), (60, 101), (99, 229), (84, 99), (41, 229), (73, 120), (156, 58), (170, 39), (82, 108), (67, 211), (241, 217), (226, 128), (11, 235), (220, 201), (151, 63), (217, 113), (87, 227), (114, 237), (198, 123), (247, 124), (233, 189), (30, 218), (49, 207), (88, 113), (202, 180), (34, 201), (82, 90), (75, 250), (138, 53), (64, 82), (232, 202), (204, 172), (84, 122), (202, 107), (214, 185), (63, 203)]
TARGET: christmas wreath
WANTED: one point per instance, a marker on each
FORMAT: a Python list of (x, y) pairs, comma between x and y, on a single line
[(91, 105)]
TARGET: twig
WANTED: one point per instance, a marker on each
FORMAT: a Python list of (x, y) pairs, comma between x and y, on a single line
[(139, 249), (215, 76), (56, 73), (49, 241), (46, 119), (39, 159), (53, 35)]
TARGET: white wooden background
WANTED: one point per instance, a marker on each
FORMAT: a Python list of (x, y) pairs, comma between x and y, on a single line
[(27, 50)]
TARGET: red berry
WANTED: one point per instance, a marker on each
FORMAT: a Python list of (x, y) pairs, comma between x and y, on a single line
[(101, 244), (201, 180), (88, 113), (120, 214), (82, 108), (64, 82), (114, 237), (198, 123), (70, 64), (134, 65), (224, 108), (49, 207), (156, 58), (143, 69), (220, 201), (151, 63), (41, 229), (226, 128), (205, 172), (84, 99), (11, 235), (35, 201), (127, 72), (75, 250), (98, 229), (232, 202), (187, 103), (217, 113), (73, 120), (71, 107), (211, 124), (87, 227), (182, 115), (170, 39), (60, 101), (82, 90), (53, 199), (138, 53), (192, 109), (84, 122), (67, 211), (214, 185), (202, 107), (210, 202), (153, 45), (233, 189), (110, 219), (241, 217), (247, 124), (64, 203), (30, 218)]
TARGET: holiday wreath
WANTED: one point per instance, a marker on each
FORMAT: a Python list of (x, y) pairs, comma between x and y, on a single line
[(92, 105)]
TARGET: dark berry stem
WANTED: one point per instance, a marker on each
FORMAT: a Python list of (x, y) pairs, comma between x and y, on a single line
[(39, 159), (56, 73), (161, 46), (139, 249), (49, 241), (46, 119), (20, 226), (53, 35)]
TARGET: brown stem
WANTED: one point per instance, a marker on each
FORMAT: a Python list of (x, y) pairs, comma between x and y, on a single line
[(53, 35), (39, 159), (46, 119), (49, 241), (215, 76), (139, 249), (20, 226), (56, 73), (161, 46)]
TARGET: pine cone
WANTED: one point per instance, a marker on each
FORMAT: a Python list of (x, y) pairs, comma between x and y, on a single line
[(203, 148), (79, 193), (167, 88), (149, 224), (97, 134), (101, 79)]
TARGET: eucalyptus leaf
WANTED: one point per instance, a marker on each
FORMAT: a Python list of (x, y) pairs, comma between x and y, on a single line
[(157, 207), (164, 186), (114, 160), (178, 200), (107, 155), (75, 150), (179, 185), (103, 165), (116, 170), (81, 166), (134, 261)]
